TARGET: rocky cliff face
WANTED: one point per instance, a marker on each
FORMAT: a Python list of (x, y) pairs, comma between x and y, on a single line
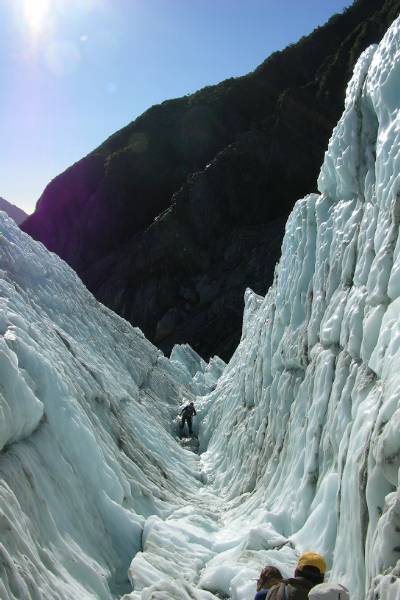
[(173, 216)]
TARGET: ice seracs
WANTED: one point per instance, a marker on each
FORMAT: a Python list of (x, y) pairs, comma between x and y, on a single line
[(304, 422), (87, 405), (202, 377)]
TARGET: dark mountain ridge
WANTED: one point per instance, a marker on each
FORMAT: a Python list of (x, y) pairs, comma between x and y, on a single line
[(13, 211), (172, 217)]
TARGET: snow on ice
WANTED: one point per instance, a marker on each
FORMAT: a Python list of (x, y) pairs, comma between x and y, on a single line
[(299, 434)]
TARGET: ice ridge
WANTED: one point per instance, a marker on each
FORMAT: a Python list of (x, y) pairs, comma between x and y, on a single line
[(87, 407), (304, 426)]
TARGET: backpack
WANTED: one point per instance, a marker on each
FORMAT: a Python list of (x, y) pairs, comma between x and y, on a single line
[(188, 411), (295, 588)]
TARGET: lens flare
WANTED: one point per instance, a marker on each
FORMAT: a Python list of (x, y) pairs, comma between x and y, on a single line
[(36, 13)]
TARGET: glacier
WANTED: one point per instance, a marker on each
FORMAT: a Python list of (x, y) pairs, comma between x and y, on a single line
[(299, 435)]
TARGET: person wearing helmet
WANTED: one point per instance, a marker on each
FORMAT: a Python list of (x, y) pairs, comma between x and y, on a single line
[(269, 577), (309, 572), (187, 414)]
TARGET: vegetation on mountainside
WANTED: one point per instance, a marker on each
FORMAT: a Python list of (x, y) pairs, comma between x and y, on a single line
[(263, 134)]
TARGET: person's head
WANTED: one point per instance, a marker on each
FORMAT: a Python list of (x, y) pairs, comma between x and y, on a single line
[(329, 591), (269, 576), (312, 566), (191, 404)]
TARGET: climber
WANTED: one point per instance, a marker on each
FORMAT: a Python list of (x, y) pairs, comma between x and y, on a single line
[(269, 577), (187, 413), (310, 571), (329, 591)]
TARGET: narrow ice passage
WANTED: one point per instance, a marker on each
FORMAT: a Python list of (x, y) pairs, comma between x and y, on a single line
[(299, 439), (177, 549), (204, 549)]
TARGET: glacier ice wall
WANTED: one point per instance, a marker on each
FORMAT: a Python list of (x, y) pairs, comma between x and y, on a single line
[(303, 431), (87, 447)]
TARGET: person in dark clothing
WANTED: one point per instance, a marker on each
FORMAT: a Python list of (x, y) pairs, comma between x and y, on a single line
[(269, 577), (187, 413), (310, 571)]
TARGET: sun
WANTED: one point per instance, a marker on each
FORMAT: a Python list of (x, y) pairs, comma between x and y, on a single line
[(36, 13)]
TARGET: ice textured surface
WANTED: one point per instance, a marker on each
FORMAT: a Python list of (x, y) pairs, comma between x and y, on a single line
[(304, 426), (88, 448), (300, 438), (200, 376)]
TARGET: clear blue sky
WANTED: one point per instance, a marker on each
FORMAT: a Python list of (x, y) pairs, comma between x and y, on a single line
[(74, 71)]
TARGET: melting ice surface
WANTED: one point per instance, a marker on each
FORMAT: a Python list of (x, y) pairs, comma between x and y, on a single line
[(300, 438)]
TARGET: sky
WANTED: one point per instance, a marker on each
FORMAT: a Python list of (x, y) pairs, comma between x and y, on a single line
[(73, 72)]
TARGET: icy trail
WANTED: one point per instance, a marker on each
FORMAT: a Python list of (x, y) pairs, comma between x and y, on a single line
[(300, 438)]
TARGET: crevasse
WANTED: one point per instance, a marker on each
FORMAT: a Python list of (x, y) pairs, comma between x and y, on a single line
[(300, 437)]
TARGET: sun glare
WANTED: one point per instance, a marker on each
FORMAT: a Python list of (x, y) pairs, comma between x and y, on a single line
[(36, 13)]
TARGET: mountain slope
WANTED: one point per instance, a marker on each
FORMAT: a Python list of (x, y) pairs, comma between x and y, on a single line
[(14, 212), (216, 223)]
